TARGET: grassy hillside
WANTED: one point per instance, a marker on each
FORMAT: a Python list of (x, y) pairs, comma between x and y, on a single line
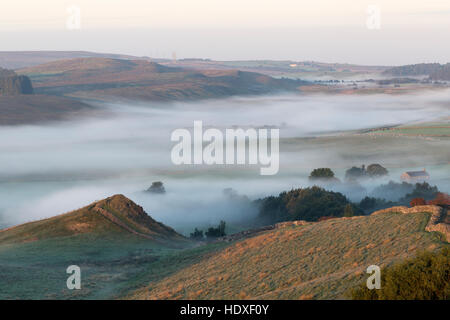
[(112, 248), (319, 260), (116, 216), (103, 78)]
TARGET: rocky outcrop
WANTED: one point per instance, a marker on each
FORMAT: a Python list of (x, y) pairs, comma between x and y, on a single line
[(437, 222), (128, 215), (12, 84)]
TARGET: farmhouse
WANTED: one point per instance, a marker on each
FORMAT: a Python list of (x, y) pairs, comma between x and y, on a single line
[(415, 176)]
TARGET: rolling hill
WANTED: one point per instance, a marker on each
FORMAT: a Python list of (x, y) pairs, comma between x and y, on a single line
[(114, 216), (316, 260), (105, 78), (38, 108), (24, 59), (435, 71), (112, 241), (124, 253)]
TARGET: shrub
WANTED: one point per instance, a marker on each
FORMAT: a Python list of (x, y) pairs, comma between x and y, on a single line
[(417, 202), (425, 277)]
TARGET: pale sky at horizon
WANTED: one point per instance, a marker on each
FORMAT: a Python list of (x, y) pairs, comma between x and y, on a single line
[(323, 30)]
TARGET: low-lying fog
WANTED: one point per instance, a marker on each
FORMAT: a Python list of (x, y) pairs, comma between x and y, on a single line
[(53, 168)]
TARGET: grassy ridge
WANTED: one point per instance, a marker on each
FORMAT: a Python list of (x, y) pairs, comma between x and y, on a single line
[(34, 256), (318, 261), (103, 78)]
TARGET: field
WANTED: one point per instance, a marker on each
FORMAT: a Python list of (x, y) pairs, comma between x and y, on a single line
[(423, 130), (322, 260), (110, 267)]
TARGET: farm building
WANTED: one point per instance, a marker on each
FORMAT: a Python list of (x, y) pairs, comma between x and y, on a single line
[(415, 176)]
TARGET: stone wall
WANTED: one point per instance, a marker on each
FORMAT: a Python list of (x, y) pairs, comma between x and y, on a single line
[(436, 222)]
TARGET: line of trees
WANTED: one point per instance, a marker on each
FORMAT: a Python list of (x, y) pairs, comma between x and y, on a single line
[(211, 233)]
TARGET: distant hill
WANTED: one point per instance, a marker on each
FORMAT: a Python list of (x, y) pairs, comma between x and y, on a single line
[(435, 71), (115, 216), (61, 87), (18, 104), (414, 69), (12, 84), (441, 74), (104, 78), (300, 260), (37, 108), (23, 59)]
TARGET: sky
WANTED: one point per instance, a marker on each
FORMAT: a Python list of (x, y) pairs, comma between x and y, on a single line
[(375, 32)]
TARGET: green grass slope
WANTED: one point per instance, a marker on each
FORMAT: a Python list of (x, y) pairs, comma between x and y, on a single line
[(112, 241), (321, 260)]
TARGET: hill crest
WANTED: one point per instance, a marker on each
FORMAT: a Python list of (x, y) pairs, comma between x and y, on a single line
[(113, 216)]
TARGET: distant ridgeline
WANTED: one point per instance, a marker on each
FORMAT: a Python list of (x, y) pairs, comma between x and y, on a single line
[(435, 71), (12, 84)]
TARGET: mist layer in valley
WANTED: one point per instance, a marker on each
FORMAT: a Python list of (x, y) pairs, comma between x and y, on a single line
[(54, 168)]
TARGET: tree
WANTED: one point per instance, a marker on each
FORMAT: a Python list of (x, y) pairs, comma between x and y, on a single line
[(197, 235), (217, 232), (417, 202), (368, 203), (307, 204), (392, 190), (376, 170), (441, 199), (157, 187), (421, 190), (321, 173), (348, 211), (355, 173)]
